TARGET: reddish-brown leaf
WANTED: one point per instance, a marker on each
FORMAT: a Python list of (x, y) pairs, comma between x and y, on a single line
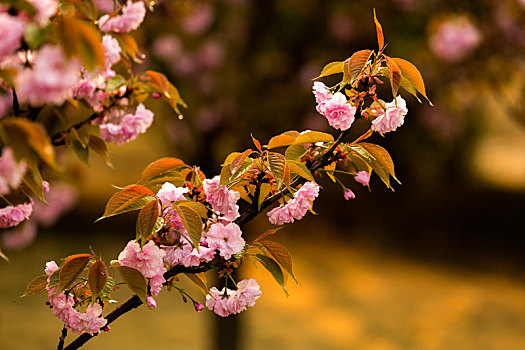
[(147, 219), (354, 65), (97, 276), (395, 75), (159, 167), (409, 71), (379, 30), (71, 268), (130, 198)]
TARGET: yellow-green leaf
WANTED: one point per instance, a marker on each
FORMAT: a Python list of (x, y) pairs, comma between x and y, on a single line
[(161, 166), (199, 280), (331, 68), (277, 164), (412, 74), (198, 207), (273, 268), (147, 220), (284, 139), (37, 285), (192, 222), (295, 152), (382, 156), (300, 169), (135, 280), (281, 255), (354, 65), (313, 137)]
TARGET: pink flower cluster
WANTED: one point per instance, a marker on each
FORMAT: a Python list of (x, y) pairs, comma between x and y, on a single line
[(169, 193), (221, 199), (227, 239), (297, 207), (79, 322), (11, 172), (335, 108), (11, 31), (50, 79), (226, 301), (130, 19), (120, 129), (184, 254), (13, 215), (454, 39), (111, 55), (148, 260), (390, 118)]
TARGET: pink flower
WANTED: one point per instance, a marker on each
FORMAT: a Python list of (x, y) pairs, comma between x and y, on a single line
[(51, 267), (88, 322), (11, 31), (248, 291), (339, 113), (129, 127), (321, 92), (454, 39), (198, 307), (20, 237), (11, 172), (349, 194), (217, 301), (169, 193), (156, 283), (111, 55), (45, 9), (130, 19), (221, 199), (13, 215), (297, 207), (51, 78), (226, 238), (105, 5), (199, 20), (60, 198), (392, 118), (362, 177), (167, 47), (148, 260), (151, 302)]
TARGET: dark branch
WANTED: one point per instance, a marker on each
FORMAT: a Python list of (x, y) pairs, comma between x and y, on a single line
[(62, 339)]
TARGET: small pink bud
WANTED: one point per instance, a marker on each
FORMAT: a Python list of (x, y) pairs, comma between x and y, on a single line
[(106, 329), (349, 194), (362, 177), (45, 186), (198, 306), (155, 95), (150, 301)]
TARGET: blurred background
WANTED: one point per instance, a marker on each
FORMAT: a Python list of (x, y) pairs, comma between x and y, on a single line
[(436, 265)]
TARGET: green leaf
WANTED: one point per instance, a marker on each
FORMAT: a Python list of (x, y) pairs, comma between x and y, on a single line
[(147, 220), (300, 169), (281, 255), (413, 76), (264, 191), (373, 163), (34, 36), (108, 287), (277, 164), (114, 83), (295, 152), (379, 30), (23, 130), (198, 207), (159, 167), (135, 280), (130, 198), (273, 268), (192, 222), (354, 65), (284, 139), (395, 75), (199, 280), (33, 179), (97, 277), (99, 147), (71, 269), (331, 68), (37, 285), (313, 137), (239, 160), (81, 151), (382, 157)]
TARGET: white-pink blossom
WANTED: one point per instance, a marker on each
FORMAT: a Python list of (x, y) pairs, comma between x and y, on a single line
[(225, 238), (51, 78), (321, 92), (362, 177), (170, 193), (20, 237), (130, 19), (221, 199), (111, 55), (454, 39), (11, 171), (248, 291), (217, 301), (151, 302), (128, 127), (349, 194), (338, 111), (297, 207), (13, 215), (11, 32), (45, 9), (148, 260), (391, 118)]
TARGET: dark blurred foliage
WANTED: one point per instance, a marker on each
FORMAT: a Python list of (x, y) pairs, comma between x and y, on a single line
[(247, 67)]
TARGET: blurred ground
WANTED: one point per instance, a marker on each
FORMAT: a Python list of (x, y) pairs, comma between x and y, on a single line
[(351, 296)]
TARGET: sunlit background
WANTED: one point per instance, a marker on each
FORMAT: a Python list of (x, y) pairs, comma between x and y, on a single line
[(437, 264)]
